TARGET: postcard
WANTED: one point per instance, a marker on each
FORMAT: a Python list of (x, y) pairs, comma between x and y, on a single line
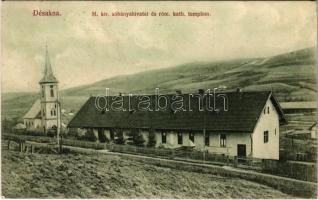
[(153, 100)]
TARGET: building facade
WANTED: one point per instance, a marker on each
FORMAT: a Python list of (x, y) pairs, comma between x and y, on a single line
[(249, 128)]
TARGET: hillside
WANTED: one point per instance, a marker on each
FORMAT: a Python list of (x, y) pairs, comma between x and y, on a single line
[(291, 76)]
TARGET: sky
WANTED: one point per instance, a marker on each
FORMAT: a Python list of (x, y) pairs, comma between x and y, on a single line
[(84, 49)]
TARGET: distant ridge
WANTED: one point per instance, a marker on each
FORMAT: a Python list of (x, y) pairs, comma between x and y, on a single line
[(291, 76)]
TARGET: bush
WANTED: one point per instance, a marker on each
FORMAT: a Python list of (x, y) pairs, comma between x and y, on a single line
[(138, 140), (35, 132), (119, 137), (135, 138), (102, 137), (152, 138), (90, 136), (51, 133)]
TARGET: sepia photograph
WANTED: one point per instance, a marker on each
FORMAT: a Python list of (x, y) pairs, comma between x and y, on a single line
[(159, 100)]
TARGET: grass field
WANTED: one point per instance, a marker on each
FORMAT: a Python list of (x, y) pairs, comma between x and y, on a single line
[(82, 176)]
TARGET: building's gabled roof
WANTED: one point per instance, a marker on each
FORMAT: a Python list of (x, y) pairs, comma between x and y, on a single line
[(244, 109), (35, 111), (48, 73)]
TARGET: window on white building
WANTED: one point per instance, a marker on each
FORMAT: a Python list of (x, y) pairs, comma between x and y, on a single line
[(223, 140), (207, 140), (51, 91), (180, 138), (163, 137), (191, 137), (266, 136)]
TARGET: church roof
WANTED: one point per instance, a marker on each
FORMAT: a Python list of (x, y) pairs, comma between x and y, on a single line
[(48, 73), (35, 111)]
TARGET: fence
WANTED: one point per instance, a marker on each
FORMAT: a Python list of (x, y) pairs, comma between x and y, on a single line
[(83, 144), (298, 170), (193, 156), (293, 169)]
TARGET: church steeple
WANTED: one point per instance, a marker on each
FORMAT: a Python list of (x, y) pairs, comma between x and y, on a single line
[(48, 73), (50, 105)]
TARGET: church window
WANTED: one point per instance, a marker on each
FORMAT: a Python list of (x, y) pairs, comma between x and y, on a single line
[(51, 91), (51, 112), (54, 112), (42, 91)]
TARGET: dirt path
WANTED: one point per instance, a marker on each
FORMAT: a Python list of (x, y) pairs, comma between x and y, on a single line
[(109, 176)]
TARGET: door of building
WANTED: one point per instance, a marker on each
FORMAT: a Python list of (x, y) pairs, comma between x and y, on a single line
[(241, 150)]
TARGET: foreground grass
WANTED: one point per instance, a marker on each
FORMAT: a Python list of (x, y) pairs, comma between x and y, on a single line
[(106, 176)]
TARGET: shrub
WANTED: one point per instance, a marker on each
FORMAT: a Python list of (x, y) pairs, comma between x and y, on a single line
[(136, 138), (152, 138), (90, 136), (102, 137), (119, 137)]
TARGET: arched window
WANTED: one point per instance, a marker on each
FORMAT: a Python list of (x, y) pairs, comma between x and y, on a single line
[(51, 91), (42, 91), (51, 112), (54, 112)]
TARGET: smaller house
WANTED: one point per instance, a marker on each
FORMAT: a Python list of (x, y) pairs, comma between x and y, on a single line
[(313, 131), (32, 119)]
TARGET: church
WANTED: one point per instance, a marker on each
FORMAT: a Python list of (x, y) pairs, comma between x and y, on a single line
[(44, 114)]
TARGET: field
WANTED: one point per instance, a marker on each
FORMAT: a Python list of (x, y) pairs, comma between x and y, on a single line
[(109, 176)]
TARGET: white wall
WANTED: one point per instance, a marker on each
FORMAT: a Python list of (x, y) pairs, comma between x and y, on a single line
[(34, 124), (267, 122), (232, 140)]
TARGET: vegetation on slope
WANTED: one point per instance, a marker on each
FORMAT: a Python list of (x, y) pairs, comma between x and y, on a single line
[(290, 76)]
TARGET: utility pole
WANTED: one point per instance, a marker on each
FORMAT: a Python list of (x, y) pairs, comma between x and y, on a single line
[(58, 128), (204, 128)]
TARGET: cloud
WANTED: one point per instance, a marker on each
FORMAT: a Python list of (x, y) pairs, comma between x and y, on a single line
[(85, 49)]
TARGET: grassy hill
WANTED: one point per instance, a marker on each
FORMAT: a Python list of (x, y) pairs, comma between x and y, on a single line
[(291, 76)]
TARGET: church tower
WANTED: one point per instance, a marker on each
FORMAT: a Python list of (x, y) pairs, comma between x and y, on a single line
[(50, 106)]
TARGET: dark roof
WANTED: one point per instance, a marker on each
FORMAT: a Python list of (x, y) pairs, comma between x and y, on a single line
[(244, 109), (48, 73)]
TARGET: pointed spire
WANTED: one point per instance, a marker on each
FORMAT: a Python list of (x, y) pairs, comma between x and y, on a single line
[(48, 73)]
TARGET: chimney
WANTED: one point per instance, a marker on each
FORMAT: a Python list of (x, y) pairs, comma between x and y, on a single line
[(178, 92), (119, 94), (201, 91)]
